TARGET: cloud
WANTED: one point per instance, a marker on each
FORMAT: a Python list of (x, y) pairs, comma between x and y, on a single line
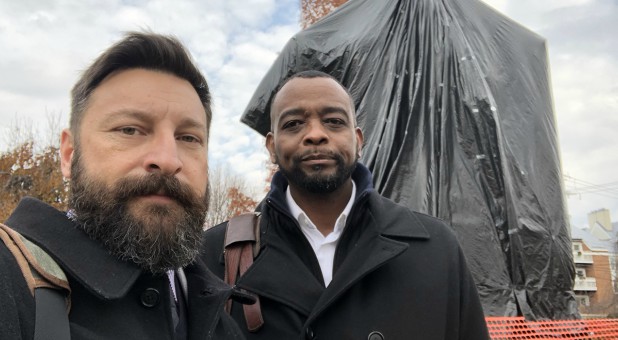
[(251, 12)]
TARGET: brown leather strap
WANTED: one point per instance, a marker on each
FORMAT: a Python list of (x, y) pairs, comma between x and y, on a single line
[(232, 263), (6, 235), (241, 245), (253, 313), (240, 229)]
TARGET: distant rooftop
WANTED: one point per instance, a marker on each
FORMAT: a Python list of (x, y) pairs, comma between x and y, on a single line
[(593, 242)]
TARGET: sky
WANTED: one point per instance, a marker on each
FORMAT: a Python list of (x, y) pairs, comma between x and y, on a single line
[(45, 44)]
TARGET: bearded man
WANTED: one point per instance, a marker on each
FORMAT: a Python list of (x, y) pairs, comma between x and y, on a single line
[(136, 157), (336, 259)]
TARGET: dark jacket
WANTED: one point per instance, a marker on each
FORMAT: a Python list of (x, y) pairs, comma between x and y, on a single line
[(110, 299), (397, 275)]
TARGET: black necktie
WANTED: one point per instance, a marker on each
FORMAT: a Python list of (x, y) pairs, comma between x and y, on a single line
[(179, 311)]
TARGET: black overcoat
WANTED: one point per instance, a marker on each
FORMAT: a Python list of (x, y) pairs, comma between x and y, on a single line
[(110, 299), (397, 275)]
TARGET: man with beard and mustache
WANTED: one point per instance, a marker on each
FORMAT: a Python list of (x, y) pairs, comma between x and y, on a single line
[(336, 259), (136, 157)]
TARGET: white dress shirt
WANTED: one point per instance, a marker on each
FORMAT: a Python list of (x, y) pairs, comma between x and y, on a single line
[(323, 246), (172, 282)]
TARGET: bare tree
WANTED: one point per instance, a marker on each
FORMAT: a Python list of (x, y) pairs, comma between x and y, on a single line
[(230, 195), (20, 131), (54, 128)]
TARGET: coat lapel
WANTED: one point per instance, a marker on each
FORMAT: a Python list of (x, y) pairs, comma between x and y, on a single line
[(375, 247), (372, 251)]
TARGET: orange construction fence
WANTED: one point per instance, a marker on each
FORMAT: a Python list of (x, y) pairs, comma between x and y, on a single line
[(515, 328)]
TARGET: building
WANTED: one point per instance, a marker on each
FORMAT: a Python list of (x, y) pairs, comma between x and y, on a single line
[(594, 255)]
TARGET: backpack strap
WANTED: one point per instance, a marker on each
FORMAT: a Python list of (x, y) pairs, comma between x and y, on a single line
[(47, 284), (242, 244)]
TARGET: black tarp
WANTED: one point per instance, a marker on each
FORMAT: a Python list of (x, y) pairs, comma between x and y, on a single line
[(454, 100)]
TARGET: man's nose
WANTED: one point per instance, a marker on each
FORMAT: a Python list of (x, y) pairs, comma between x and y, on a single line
[(162, 156), (316, 134)]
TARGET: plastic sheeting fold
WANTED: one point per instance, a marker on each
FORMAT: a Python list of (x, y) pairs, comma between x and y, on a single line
[(455, 104)]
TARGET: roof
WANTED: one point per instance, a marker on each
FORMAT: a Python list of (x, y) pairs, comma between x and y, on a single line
[(590, 236)]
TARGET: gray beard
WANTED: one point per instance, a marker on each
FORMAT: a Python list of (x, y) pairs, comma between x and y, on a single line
[(168, 238)]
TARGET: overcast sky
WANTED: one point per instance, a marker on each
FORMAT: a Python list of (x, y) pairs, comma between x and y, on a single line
[(44, 44)]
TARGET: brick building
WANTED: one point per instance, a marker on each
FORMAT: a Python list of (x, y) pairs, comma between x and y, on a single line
[(594, 256)]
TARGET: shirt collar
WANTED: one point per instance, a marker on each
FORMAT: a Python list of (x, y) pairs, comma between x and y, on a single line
[(297, 212)]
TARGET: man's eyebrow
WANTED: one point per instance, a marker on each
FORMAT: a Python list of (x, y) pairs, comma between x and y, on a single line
[(334, 109), (123, 113), (128, 113), (192, 123), (292, 113), (144, 116)]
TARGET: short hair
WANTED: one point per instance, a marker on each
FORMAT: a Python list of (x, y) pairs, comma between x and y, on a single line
[(308, 74), (148, 51)]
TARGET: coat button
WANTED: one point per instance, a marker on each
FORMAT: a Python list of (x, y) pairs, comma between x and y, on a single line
[(375, 335), (309, 334), (150, 297)]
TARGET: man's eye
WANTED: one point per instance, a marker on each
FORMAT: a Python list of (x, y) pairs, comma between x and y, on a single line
[(334, 121), (291, 124), (189, 139), (128, 130)]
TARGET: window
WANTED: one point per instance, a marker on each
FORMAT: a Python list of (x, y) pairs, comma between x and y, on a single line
[(581, 273), (582, 300)]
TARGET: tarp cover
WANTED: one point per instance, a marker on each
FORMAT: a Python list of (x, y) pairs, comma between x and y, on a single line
[(455, 104)]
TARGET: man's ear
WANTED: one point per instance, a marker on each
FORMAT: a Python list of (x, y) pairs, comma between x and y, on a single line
[(67, 147), (270, 146), (359, 141)]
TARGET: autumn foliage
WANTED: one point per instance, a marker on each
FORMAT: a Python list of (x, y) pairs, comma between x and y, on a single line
[(25, 172), (239, 202)]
